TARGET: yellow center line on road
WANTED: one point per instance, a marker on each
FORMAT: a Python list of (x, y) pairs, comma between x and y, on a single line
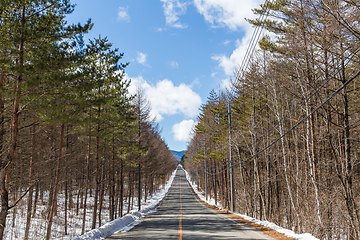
[(180, 223)]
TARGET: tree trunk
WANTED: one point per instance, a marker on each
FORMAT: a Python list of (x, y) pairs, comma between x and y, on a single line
[(2, 118), (112, 182), (102, 189), (66, 208), (310, 142), (139, 187), (121, 198), (130, 184), (52, 212), (78, 200), (31, 176), (13, 135), (97, 183), (243, 183), (351, 205), (36, 198), (284, 155), (66, 184), (102, 185), (87, 177)]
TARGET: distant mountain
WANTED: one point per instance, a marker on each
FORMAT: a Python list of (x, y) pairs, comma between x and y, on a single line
[(178, 154)]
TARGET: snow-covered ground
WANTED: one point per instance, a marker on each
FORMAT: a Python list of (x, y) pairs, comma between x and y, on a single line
[(130, 220), (16, 221), (287, 232)]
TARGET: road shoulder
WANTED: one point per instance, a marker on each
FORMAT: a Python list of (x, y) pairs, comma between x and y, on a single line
[(266, 230)]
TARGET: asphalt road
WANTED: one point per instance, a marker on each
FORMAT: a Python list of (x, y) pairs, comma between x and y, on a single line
[(183, 216)]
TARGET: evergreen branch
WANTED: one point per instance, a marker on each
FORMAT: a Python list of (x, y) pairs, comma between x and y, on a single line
[(22, 108)]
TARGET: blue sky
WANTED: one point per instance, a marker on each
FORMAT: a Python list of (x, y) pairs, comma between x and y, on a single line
[(178, 50)]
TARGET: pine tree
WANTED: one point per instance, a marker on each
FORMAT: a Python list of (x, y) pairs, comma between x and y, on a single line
[(32, 31)]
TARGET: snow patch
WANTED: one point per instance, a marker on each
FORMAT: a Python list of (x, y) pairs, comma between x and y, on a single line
[(287, 232), (130, 220), (201, 194)]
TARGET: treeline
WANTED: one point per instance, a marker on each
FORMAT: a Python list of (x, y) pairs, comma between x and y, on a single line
[(68, 124), (295, 123)]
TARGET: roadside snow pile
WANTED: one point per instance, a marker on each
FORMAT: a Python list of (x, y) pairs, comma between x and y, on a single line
[(130, 220), (287, 232), (201, 194)]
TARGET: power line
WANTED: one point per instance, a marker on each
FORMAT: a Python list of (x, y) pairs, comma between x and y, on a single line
[(249, 54), (306, 99), (253, 41), (313, 93), (296, 125), (246, 60), (305, 118)]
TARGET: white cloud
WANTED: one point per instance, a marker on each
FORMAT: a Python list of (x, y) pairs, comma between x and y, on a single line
[(135, 82), (141, 58), (226, 84), (195, 83), (232, 63), (174, 64), (226, 42), (172, 10), (182, 131), (229, 13), (167, 99), (123, 14), (161, 29)]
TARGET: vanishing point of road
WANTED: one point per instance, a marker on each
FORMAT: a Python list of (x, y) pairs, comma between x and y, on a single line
[(183, 216)]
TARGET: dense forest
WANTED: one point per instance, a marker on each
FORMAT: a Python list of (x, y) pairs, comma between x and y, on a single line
[(69, 129), (291, 146)]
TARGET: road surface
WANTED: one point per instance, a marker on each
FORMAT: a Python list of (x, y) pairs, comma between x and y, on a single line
[(183, 216)]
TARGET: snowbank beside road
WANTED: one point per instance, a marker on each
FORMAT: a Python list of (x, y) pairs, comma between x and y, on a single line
[(128, 221), (287, 232)]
